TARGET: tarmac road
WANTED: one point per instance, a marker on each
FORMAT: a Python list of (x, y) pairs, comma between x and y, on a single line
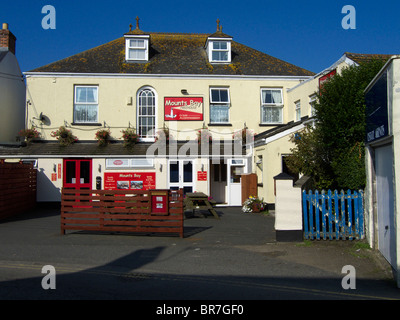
[(235, 258)]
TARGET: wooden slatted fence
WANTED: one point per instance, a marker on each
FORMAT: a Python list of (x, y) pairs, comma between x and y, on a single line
[(333, 215), (120, 211), (17, 188)]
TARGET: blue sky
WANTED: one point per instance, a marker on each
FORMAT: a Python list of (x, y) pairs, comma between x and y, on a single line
[(308, 34)]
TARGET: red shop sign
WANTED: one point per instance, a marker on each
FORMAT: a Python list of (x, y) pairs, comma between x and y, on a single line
[(183, 108), (129, 180)]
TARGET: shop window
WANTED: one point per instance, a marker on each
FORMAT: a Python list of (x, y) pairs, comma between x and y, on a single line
[(86, 107), (271, 106), (219, 105)]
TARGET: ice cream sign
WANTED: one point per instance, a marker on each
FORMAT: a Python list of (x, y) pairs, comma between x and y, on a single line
[(183, 108)]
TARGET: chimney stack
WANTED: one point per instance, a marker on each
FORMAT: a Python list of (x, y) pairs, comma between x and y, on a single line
[(7, 39)]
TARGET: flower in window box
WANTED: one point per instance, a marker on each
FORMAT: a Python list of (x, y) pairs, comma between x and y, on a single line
[(204, 135), (245, 135), (29, 134), (163, 135), (130, 137), (64, 136), (103, 136)]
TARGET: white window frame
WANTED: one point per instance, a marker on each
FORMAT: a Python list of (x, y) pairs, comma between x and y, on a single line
[(297, 110), (148, 138), (210, 49), (144, 48), (86, 103), (220, 103), (273, 105), (312, 101)]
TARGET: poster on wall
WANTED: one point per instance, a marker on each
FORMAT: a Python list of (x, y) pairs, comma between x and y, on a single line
[(129, 180), (183, 108)]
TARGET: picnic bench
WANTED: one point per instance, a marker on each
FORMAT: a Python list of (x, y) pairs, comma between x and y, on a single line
[(199, 201)]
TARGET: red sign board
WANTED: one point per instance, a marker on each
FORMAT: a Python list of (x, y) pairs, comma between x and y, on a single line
[(201, 175), (129, 180), (325, 78), (183, 108)]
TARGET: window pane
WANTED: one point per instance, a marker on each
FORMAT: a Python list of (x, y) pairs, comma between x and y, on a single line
[(219, 113), (136, 43), (86, 94), (219, 95), (187, 171), (271, 114), (85, 113), (220, 45), (173, 172), (272, 96), (137, 54), (220, 56)]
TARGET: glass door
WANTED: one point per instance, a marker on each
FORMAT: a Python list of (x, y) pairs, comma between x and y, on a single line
[(181, 175)]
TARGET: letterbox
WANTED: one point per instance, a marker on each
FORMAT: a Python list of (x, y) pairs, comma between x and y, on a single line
[(159, 202)]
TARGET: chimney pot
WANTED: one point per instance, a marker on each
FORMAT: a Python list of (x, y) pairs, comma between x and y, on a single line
[(5, 26)]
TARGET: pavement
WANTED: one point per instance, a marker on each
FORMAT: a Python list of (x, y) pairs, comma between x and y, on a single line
[(233, 258)]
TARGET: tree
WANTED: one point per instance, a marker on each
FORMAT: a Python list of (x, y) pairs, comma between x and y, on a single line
[(332, 152)]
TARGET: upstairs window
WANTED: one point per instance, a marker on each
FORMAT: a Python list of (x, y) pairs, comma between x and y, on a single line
[(219, 105), (146, 114), (298, 110), (137, 48), (271, 106), (86, 106)]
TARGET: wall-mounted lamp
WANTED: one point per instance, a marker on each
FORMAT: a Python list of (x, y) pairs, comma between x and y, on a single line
[(160, 167), (184, 91), (99, 168), (202, 167), (54, 167)]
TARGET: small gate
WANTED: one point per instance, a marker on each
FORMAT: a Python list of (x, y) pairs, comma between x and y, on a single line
[(328, 215)]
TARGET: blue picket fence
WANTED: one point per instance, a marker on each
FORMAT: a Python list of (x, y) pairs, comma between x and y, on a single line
[(332, 215)]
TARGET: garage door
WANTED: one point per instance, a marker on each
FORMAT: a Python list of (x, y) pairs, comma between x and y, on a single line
[(385, 202)]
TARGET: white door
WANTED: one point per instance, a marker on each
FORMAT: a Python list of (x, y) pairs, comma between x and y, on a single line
[(218, 181), (235, 170), (385, 202), (181, 175)]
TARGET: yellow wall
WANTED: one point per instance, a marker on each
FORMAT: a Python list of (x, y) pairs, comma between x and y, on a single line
[(54, 97)]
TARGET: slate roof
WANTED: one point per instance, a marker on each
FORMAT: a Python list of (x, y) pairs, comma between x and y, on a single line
[(174, 53), (363, 57)]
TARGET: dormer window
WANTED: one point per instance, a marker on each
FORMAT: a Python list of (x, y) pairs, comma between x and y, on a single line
[(218, 47), (136, 44), (219, 50), (137, 48)]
